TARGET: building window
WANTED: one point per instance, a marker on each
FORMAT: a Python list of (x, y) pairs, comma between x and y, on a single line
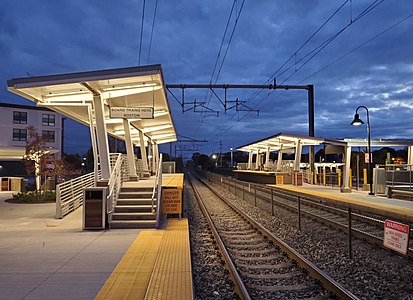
[(48, 120), (48, 136), (19, 117), (19, 134)]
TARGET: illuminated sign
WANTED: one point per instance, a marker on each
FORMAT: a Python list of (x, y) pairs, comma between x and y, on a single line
[(131, 112)]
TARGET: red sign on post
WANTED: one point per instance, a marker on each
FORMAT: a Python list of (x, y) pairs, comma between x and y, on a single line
[(396, 236), (367, 158)]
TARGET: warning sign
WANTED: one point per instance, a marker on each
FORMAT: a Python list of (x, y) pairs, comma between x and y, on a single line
[(171, 201), (396, 236)]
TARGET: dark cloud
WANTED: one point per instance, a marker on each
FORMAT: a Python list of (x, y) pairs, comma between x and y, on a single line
[(56, 36)]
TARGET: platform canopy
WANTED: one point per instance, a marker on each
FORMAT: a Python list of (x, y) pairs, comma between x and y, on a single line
[(286, 141), (141, 90), (379, 142)]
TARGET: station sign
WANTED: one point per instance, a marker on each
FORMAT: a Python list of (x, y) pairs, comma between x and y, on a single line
[(396, 236), (131, 112)]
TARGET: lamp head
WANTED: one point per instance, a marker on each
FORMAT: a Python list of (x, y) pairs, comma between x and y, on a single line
[(357, 121), (214, 156)]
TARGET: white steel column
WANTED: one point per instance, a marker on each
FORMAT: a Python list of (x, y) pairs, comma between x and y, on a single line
[(93, 140), (129, 151), (150, 156), (297, 159), (257, 160), (280, 159), (102, 137), (346, 174), (153, 157), (143, 151), (156, 156), (409, 156), (250, 160), (267, 157)]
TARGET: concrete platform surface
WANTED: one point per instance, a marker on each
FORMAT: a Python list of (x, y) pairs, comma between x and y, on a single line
[(398, 207), (45, 258)]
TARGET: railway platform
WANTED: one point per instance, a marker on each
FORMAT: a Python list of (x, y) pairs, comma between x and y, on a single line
[(47, 258), (156, 266), (398, 207)]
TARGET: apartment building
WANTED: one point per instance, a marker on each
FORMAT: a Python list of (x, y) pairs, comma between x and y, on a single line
[(14, 121)]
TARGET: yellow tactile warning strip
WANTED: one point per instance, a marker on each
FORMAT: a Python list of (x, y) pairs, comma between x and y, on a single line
[(374, 205), (131, 276), (156, 266), (172, 275), (173, 180)]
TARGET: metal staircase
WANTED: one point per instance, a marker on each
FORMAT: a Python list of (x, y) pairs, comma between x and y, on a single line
[(134, 209)]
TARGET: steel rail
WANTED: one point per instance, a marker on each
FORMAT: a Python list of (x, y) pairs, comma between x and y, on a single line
[(323, 220), (239, 284), (326, 281)]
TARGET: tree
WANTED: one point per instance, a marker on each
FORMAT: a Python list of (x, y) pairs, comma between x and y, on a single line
[(35, 153), (38, 159)]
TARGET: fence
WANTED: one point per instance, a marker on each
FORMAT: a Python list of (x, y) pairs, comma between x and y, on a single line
[(69, 194), (270, 199)]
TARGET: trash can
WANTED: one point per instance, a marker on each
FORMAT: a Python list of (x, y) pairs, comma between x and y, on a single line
[(94, 208)]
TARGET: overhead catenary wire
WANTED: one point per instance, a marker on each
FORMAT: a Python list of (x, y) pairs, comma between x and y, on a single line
[(314, 52), (274, 74), (340, 58), (219, 53), (153, 26), (216, 63), (142, 23)]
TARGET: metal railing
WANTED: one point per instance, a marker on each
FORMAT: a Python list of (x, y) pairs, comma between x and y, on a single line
[(158, 189), (114, 185), (69, 194)]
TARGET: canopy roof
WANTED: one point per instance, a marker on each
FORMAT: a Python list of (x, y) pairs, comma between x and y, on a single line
[(134, 87), (286, 141), (379, 142)]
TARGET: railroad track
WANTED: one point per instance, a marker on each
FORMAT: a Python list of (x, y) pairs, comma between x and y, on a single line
[(364, 227), (261, 265)]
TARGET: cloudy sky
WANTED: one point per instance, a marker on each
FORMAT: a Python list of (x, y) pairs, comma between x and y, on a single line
[(358, 52)]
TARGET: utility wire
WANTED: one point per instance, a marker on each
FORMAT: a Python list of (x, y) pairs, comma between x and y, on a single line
[(315, 51), (153, 26), (222, 41), (216, 63), (311, 54), (358, 47), (299, 48), (219, 53), (230, 40), (140, 42)]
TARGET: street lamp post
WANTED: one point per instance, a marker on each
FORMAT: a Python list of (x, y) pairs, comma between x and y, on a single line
[(214, 157), (356, 122)]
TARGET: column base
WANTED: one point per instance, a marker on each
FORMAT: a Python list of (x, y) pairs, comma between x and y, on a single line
[(345, 190), (366, 187), (133, 178)]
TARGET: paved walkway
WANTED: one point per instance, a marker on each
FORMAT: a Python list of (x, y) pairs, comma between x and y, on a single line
[(45, 258)]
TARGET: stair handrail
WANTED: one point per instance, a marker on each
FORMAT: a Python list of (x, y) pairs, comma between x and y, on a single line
[(154, 190), (157, 190), (114, 185)]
